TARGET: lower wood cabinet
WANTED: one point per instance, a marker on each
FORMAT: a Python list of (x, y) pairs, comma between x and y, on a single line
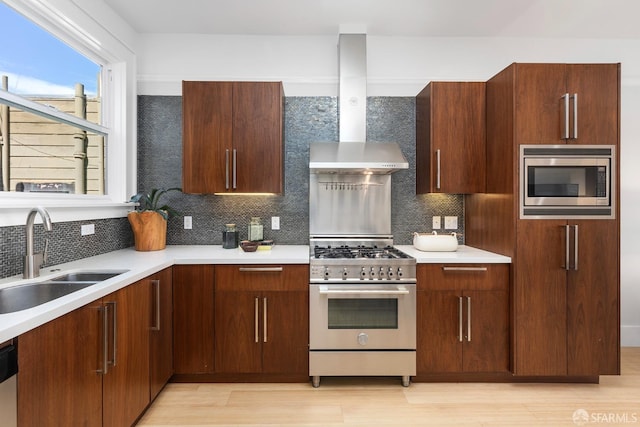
[(161, 336), (193, 309), (262, 321), (89, 367), (463, 319)]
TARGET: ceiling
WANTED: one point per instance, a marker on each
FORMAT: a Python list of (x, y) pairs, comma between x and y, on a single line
[(422, 18)]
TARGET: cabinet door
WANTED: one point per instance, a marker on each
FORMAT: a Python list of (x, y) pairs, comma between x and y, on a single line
[(485, 345), (238, 335), (438, 343), (540, 298), (592, 300), (450, 138), (598, 102), (538, 103), (258, 136), (126, 385), (285, 340), (58, 382), (161, 344), (207, 117), (193, 311)]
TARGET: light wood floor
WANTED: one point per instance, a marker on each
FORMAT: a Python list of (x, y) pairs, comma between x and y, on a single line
[(384, 402)]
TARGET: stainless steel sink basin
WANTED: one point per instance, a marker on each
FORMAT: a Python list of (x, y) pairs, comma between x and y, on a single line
[(86, 276), (28, 295)]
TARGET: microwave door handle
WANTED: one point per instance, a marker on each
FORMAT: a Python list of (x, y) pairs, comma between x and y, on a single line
[(566, 116)]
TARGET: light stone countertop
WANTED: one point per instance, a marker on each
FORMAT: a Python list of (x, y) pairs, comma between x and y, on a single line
[(143, 264)]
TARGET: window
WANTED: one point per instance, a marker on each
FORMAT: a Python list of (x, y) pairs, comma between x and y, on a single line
[(67, 107), (43, 152)]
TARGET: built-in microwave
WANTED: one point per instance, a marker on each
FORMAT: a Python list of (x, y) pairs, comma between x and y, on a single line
[(567, 181)]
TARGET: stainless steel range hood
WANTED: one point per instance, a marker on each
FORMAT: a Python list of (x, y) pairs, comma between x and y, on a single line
[(352, 155)]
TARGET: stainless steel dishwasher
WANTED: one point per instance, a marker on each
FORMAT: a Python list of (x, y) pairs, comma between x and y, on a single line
[(8, 384)]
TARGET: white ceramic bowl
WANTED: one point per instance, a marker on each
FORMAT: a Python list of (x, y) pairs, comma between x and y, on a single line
[(432, 242)]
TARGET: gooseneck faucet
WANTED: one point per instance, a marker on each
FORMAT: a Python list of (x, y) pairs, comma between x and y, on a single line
[(33, 261)]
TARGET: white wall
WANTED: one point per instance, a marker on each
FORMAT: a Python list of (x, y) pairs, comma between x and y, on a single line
[(401, 66)]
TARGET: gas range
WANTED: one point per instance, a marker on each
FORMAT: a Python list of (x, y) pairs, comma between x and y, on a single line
[(360, 261)]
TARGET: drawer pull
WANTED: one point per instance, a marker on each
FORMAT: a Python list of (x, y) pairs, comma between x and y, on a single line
[(464, 268), (261, 269)]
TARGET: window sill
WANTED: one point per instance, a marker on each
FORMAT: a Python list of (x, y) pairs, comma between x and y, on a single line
[(14, 210)]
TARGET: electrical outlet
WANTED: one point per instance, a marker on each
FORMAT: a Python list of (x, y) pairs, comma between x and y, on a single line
[(188, 224), (275, 223), (435, 223), (87, 229), (450, 222)]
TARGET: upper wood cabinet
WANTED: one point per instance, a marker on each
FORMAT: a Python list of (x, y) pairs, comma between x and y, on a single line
[(233, 138), (450, 138), (566, 103)]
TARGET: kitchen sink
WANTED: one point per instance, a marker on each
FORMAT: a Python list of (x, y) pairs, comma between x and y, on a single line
[(28, 295), (86, 276)]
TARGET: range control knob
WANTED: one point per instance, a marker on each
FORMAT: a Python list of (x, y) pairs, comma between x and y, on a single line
[(390, 273), (399, 271), (363, 273), (372, 273), (381, 274), (345, 273), (326, 273), (363, 339)]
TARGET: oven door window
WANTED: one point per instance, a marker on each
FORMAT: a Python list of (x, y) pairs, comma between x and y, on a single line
[(363, 313)]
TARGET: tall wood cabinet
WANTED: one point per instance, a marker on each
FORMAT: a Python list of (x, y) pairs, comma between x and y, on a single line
[(450, 138), (233, 138), (62, 379), (262, 321), (463, 319), (565, 320)]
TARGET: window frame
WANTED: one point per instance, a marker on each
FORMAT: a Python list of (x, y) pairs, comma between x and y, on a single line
[(60, 18)]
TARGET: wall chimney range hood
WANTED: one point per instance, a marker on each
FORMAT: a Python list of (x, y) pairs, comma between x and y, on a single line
[(353, 155)]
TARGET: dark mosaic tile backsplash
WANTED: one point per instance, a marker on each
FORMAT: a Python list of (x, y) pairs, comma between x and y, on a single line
[(307, 119)]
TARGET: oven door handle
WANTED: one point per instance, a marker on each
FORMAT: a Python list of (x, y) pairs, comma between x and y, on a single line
[(399, 291)]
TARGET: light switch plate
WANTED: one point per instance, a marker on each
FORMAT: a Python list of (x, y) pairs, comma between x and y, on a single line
[(275, 223), (87, 229), (436, 223), (450, 222), (188, 223)]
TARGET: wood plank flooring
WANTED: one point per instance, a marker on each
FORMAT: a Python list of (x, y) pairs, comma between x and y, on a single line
[(384, 402)]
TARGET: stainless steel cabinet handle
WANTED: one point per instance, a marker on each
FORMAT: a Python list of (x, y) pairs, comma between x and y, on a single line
[(575, 247), (235, 163), (264, 319), (468, 319), (260, 269), (567, 245), (566, 116), (156, 285), (226, 169), (104, 312), (255, 317), (438, 169), (460, 319), (114, 328), (464, 268), (575, 116)]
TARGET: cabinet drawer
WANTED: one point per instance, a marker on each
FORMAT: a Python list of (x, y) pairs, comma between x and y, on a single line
[(463, 276), (263, 277)]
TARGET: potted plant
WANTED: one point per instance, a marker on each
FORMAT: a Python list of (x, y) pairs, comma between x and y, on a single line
[(149, 220)]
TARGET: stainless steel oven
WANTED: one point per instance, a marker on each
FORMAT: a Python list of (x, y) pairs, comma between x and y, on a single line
[(362, 310), (567, 181)]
